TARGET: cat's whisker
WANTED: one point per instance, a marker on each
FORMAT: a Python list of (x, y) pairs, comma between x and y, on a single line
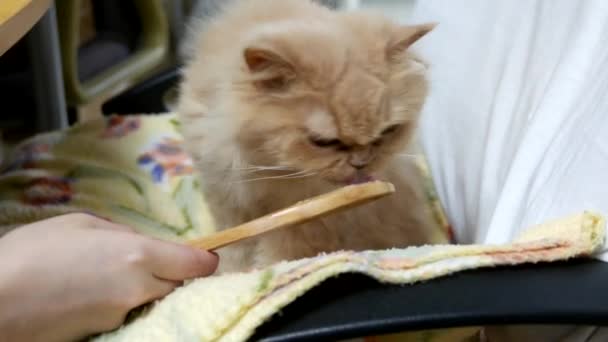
[(311, 173), (408, 155), (252, 170), (262, 168), (271, 178), (300, 174), (295, 174), (231, 176)]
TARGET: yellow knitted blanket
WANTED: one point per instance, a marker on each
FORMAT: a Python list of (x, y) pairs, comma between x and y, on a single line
[(230, 307)]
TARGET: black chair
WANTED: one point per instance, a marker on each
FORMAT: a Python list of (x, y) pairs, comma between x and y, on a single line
[(569, 293)]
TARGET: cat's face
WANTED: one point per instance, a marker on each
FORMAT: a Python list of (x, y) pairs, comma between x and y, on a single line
[(335, 105), (338, 110)]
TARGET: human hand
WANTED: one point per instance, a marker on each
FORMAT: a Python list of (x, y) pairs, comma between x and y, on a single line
[(75, 275)]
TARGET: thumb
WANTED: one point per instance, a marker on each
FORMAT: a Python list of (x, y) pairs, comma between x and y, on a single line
[(172, 261)]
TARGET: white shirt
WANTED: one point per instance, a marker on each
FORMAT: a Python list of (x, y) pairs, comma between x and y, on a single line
[(516, 127)]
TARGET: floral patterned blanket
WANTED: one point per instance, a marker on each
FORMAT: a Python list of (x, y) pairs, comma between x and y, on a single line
[(129, 169), (133, 170)]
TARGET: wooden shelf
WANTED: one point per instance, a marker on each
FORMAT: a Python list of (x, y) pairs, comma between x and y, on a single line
[(17, 17)]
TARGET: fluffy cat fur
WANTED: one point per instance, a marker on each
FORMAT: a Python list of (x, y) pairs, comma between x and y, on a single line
[(284, 100)]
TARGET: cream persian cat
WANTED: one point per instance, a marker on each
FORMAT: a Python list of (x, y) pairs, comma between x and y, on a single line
[(284, 100)]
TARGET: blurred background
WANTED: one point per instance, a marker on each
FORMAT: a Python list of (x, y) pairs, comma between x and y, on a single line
[(87, 58)]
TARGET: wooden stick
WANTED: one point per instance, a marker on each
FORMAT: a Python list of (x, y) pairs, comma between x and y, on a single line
[(315, 207)]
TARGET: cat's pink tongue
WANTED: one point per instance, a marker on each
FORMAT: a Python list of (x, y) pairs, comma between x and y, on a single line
[(359, 179)]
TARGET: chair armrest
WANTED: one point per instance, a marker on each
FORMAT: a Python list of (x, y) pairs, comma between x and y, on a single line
[(145, 97), (150, 54), (354, 306)]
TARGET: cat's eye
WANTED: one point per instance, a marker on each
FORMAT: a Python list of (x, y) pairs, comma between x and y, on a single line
[(274, 84), (391, 129), (336, 144), (325, 143), (279, 82)]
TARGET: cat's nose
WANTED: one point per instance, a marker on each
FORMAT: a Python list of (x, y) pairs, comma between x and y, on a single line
[(360, 159), (357, 164)]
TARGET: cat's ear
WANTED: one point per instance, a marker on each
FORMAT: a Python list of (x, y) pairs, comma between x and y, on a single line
[(259, 59), (405, 36), (272, 70)]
